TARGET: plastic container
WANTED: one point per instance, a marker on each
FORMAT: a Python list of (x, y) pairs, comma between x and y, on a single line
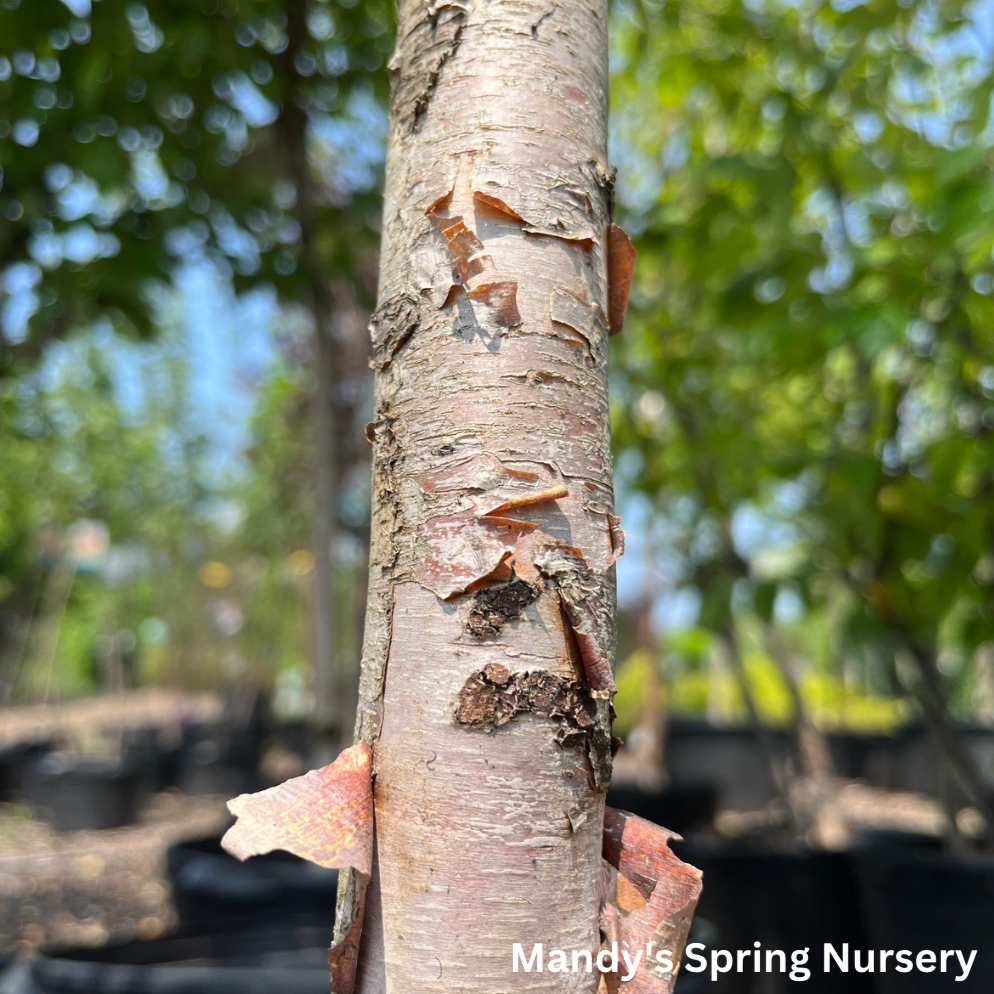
[(916, 899), (211, 886), (288, 960), (74, 793)]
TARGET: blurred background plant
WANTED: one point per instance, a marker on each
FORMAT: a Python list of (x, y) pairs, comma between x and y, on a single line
[(803, 395), (803, 403), (189, 193)]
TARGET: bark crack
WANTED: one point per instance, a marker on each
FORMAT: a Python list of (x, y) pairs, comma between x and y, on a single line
[(420, 58), (539, 23), (391, 328)]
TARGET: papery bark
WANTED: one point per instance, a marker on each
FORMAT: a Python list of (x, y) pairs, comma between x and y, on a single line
[(489, 644)]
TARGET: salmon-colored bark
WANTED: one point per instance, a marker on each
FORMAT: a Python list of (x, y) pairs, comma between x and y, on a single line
[(488, 656), (490, 346)]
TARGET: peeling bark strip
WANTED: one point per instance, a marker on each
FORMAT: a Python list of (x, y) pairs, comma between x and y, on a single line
[(325, 816), (649, 896), (620, 270), (489, 642)]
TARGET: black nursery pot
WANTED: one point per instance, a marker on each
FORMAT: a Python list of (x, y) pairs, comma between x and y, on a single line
[(733, 758), (783, 898), (159, 765), (211, 886), (213, 760), (81, 793), (681, 807), (288, 960), (15, 763), (918, 899)]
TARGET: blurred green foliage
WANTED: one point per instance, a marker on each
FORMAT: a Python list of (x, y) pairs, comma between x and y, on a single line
[(803, 394), (71, 454), (137, 139), (136, 135), (805, 385)]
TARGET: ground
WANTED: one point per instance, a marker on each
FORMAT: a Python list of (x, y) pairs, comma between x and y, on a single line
[(86, 888)]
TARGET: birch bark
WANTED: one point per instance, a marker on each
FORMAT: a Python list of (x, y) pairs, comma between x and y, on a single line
[(488, 651)]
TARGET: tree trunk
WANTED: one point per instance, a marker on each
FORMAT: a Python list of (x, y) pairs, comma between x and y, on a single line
[(484, 711), (490, 350)]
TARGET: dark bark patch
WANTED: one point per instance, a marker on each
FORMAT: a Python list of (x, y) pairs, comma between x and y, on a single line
[(479, 701), (494, 696), (493, 607)]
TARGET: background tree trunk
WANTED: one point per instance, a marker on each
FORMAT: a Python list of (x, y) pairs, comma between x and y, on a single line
[(489, 638), (339, 367)]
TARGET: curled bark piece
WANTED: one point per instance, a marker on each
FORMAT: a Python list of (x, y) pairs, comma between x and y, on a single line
[(584, 236), (620, 270), (650, 899), (469, 257), (617, 538), (498, 205), (534, 550), (501, 296), (464, 548), (530, 500), (473, 268), (325, 816)]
